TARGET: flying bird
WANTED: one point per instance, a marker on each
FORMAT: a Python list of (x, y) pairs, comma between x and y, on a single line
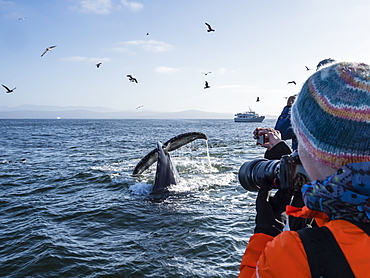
[(98, 65), (324, 62), (132, 79), (140, 106), (209, 28), (258, 99), (48, 49), (9, 90), (147, 34), (206, 86), (292, 82), (206, 73), (22, 18), (307, 68)]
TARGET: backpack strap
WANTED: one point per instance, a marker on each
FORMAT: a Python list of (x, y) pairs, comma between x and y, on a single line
[(324, 255)]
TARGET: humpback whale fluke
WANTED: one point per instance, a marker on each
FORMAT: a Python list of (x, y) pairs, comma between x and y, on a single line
[(166, 173), (171, 145)]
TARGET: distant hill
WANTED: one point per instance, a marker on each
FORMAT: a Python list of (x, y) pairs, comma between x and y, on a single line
[(80, 112)]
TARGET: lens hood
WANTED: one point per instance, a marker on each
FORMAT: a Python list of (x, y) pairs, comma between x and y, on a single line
[(245, 175)]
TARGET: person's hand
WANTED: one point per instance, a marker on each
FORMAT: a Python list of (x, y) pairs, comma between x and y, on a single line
[(272, 136), (271, 216), (291, 100)]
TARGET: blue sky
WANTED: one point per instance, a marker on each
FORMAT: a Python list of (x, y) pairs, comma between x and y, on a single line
[(258, 46)]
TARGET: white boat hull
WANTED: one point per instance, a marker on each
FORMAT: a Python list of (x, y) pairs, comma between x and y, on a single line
[(250, 120)]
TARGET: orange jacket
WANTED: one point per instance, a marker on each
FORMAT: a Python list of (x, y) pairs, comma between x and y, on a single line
[(284, 255)]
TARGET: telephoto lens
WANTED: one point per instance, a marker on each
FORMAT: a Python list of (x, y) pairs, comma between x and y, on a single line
[(259, 172)]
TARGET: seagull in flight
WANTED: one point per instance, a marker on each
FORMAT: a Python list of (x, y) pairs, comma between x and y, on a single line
[(209, 28), (22, 18), (307, 68), (98, 65), (132, 79), (140, 106), (48, 49), (8, 91), (292, 82), (258, 99), (206, 86), (324, 62), (206, 73)]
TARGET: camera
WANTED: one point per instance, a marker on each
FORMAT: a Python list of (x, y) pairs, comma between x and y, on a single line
[(286, 173), (261, 140)]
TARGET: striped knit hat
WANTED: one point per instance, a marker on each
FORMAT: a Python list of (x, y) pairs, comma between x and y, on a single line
[(331, 116)]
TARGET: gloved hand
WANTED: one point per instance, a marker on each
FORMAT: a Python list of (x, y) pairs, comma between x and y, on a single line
[(271, 217)]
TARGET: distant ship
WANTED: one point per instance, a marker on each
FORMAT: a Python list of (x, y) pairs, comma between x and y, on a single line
[(249, 117)]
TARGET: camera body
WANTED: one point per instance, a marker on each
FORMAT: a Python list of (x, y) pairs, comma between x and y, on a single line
[(261, 139), (286, 173)]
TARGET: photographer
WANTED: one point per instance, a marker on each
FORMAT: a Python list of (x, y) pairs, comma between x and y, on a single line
[(331, 119), (276, 148)]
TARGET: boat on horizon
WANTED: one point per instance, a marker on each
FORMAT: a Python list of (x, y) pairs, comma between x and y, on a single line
[(249, 116)]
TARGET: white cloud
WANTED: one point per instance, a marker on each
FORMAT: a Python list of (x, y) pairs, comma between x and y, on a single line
[(133, 6), (163, 69), (149, 45), (94, 6), (86, 59)]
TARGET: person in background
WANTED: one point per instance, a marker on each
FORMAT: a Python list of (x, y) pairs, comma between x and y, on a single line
[(331, 119), (283, 123)]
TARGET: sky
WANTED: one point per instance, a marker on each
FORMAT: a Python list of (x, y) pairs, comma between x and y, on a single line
[(256, 49)]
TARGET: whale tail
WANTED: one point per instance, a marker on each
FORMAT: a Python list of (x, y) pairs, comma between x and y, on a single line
[(166, 173), (171, 145)]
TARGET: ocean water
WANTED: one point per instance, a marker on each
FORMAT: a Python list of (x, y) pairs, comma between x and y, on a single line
[(74, 209)]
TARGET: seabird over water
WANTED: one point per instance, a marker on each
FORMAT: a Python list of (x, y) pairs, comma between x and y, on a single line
[(9, 90), (132, 79), (324, 62), (48, 49), (206, 73), (292, 82), (206, 86), (98, 65), (209, 28)]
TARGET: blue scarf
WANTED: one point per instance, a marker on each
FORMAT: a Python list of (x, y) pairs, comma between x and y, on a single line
[(344, 195)]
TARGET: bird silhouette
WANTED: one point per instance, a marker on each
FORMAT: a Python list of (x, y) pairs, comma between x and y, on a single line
[(48, 49), (324, 62), (140, 106), (132, 79), (258, 99), (307, 68), (209, 28), (206, 73), (9, 90), (292, 82), (206, 86), (22, 18), (98, 65), (147, 34)]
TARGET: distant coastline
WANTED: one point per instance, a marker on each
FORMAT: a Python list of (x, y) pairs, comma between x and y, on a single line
[(71, 112)]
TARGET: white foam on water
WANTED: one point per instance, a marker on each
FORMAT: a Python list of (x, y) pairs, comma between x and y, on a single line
[(141, 188)]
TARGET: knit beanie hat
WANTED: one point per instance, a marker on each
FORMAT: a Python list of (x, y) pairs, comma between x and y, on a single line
[(331, 116)]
